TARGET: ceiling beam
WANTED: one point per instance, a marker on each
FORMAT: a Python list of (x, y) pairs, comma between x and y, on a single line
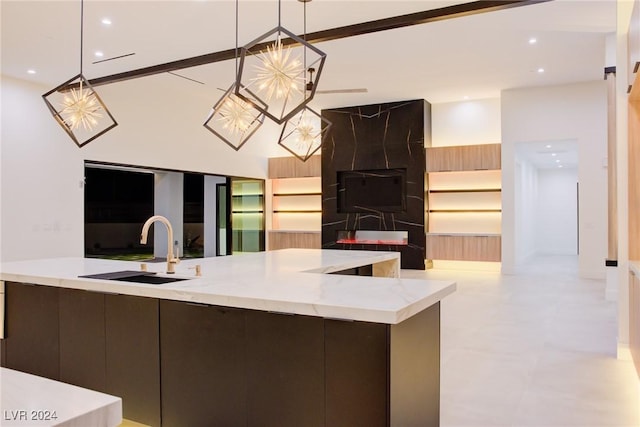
[(417, 18)]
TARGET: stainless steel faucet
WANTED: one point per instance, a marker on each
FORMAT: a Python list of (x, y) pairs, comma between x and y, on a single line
[(171, 260)]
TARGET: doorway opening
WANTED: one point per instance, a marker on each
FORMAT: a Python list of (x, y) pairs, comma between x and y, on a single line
[(546, 199)]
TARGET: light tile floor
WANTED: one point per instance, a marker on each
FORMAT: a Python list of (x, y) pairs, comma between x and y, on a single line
[(533, 349)]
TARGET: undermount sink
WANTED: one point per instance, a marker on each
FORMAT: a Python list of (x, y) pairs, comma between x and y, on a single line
[(135, 277)]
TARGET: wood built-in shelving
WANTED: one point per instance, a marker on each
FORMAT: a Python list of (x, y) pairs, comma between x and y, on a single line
[(464, 205), (296, 203)]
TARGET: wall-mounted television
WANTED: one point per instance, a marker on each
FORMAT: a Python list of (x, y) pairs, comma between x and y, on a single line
[(373, 190)]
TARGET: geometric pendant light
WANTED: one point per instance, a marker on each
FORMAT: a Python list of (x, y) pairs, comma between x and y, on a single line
[(303, 134), (77, 107), (234, 119), (273, 70)]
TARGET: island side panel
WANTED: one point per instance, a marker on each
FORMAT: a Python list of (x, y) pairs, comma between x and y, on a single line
[(415, 370), (389, 268), (133, 356), (32, 330), (203, 365), (285, 370), (82, 339), (357, 373)]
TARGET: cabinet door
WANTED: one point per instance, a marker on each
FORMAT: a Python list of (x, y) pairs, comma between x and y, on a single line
[(282, 167), (82, 339), (312, 167), (32, 341), (203, 365), (357, 380), (133, 356), (464, 158), (285, 370)]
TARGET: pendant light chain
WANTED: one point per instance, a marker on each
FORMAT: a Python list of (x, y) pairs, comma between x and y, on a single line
[(81, 32), (236, 50), (279, 13), (304, 30)]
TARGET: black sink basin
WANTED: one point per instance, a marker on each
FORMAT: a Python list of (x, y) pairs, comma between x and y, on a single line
[(135, 277)]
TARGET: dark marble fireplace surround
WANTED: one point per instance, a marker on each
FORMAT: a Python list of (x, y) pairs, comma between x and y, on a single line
[(377, 137)]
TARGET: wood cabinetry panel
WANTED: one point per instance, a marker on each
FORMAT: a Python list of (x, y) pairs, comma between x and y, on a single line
[(292, 167), (356, 364), (464, 248), (82, 344), (285, 370), (133, 356), (285, 240), (32, 332), (203, 365), (464, 158)]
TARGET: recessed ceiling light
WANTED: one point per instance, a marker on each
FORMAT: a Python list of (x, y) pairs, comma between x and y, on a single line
[(540, 70), (557, 160), (99, 54), (465, 97), (533, 40), (553, 154), (548, 145), (106, 21), (31, 71), (559, 166)]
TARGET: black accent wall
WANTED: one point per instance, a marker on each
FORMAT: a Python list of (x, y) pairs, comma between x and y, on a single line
[(378, 137)]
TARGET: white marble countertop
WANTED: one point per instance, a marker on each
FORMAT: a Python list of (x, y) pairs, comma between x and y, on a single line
[(287, 281), (30, 401)]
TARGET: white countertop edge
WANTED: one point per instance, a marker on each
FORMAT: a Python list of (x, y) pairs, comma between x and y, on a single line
[(284, 287), (74, 406)]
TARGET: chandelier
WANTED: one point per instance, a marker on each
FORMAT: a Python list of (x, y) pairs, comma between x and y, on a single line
[(235, 119), (76, 106), (273, 71)]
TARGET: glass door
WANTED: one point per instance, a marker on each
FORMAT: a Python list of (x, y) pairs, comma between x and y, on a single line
[(223, 220), (247, 215)]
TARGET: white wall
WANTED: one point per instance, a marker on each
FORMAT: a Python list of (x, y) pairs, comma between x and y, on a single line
[(466, 123), (168, 189), (526, 197), (41, 180), (42, 200), (556, 229), (576, 111)]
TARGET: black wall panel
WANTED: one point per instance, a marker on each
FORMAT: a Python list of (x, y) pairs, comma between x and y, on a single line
[(374, 137)]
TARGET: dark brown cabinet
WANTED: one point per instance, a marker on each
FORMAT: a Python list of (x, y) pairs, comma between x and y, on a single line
[(103, 342), (285, 370), (31, 334), (203, 365), (133, 356), (82, 339), (357, 374), (181, 364)]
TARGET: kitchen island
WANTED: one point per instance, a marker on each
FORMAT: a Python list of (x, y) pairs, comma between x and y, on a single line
[(271, 338)]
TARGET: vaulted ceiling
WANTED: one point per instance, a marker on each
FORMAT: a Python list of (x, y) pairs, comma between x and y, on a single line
[(473, 56)]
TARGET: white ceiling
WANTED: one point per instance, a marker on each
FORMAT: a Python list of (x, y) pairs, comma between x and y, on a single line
[(475, 56), (549, 154)]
